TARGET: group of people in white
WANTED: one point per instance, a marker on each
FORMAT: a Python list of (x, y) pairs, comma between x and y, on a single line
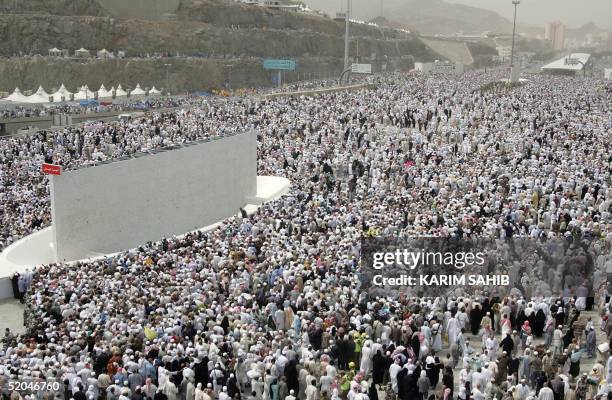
[(272, 306)]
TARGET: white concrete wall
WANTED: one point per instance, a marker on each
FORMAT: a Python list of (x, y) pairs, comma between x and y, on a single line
[(123, 204)]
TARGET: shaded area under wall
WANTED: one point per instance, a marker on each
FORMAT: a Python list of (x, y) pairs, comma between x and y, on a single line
[(183, 74)]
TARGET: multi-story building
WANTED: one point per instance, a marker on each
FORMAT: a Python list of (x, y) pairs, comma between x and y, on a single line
[(503, 52), (555, 32)]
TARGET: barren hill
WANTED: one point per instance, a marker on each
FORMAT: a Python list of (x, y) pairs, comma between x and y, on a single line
[(207, 32)]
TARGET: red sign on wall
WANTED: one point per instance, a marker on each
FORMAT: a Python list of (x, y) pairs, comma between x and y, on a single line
[(51, 169)]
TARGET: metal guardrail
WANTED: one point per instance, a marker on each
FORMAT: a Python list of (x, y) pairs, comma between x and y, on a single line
[(48, 117), (82, 116), (84, 119), (322, 90)]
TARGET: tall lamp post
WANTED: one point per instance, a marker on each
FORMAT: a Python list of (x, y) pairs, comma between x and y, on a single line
[(228, 77), (167, 78), (347, 23), (513, 75)]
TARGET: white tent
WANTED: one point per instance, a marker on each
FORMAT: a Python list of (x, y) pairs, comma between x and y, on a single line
[(84, 94), (16, 96), (39, 97), (154, 91), (55, 52), (137, 91), (120, 91), (105, 54), (61, 92), (82, 53), (104, 93)]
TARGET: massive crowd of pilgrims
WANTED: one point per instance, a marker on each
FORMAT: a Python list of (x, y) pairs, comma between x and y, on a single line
[(272, 306)]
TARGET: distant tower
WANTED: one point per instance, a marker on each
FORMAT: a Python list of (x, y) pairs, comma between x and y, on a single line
[(555, 33)]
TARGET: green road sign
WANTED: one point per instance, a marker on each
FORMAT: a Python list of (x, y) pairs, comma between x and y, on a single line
[(288, 65)]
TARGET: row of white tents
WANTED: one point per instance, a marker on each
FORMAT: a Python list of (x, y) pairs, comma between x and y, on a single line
[(63, 94)]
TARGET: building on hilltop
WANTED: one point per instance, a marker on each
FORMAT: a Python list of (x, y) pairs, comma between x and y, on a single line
[(288, 5)]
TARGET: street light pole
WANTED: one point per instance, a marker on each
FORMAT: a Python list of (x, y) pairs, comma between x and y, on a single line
[(167, 78), (516, 3), (228, 77), (347, 23)]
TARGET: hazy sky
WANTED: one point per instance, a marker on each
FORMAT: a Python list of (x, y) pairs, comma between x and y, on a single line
[(537, 12), (573, 13)]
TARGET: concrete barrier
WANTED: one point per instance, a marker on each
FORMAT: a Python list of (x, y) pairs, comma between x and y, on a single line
[(332, 89), (38, 248), (121, 204), (12, 126)]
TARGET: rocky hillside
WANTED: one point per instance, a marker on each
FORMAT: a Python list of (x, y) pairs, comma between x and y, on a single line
[(243, 16), (217, 32), (37, 33), (54, 7), (426, 16), (184, 74)]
